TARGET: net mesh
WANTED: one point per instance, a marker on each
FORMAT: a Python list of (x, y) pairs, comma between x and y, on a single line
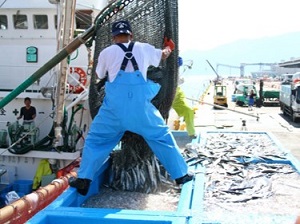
[(151, 21)]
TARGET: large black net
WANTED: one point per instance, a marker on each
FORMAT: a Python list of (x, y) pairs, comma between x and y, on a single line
[(134, 167)]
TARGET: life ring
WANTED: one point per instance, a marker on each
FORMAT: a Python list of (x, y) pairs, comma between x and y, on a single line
[(74, 86), (296, 80)]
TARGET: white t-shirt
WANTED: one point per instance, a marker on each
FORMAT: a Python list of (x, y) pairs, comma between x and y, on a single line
[(110, 59)]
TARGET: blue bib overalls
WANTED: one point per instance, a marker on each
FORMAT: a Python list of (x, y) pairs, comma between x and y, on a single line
[(127, 107)]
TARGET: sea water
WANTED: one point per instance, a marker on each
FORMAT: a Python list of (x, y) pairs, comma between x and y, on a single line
[(194, 86)]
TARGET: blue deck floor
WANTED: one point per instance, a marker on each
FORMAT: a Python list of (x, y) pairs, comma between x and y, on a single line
[(66, 208)]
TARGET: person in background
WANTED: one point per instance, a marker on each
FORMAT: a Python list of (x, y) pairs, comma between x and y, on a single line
[(43, 169), (182, 108), (28, 112), (252, 96), (127, 107)]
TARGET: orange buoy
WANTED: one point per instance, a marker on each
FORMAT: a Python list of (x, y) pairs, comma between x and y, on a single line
[(82, 79)]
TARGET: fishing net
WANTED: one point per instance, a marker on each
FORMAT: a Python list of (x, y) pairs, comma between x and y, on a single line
[(151, 21)]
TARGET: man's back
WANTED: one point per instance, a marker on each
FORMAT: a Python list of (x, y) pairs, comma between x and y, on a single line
[(110, 59)]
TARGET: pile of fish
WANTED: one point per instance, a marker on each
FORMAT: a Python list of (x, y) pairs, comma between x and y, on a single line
[(239, 166)]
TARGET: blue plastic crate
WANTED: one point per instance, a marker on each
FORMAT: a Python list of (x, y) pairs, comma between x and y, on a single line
[(23, 186), (5, 188), (21, 194)]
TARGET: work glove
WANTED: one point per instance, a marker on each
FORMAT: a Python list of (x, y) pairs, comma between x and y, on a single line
[(168, 42)]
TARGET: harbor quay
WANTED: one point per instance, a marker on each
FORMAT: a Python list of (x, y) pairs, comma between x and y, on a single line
[(234, 118)]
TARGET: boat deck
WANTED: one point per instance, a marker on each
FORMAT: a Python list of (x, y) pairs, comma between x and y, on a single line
[(192, 205)]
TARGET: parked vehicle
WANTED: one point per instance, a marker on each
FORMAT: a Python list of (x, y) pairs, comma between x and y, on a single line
[(238, 83), (287, 78), (289, 99), (220, 96), (242, 92)]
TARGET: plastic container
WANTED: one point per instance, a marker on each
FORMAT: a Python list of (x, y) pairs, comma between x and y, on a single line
[(3, 138), (4, 189), (23, 186)]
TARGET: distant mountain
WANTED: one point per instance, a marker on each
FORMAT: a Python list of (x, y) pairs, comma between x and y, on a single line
[(265, 50)]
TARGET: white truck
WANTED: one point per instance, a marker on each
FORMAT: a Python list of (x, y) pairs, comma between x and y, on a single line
[(289, 99)]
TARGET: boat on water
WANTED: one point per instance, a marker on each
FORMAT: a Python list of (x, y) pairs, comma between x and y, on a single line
[(32, 33), (53, 70)]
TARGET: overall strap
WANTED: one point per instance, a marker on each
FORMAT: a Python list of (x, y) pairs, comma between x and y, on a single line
[(128, 56)]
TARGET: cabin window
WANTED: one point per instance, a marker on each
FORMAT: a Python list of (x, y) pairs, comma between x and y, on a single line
[(3, 22), (40, 21), (83, 19), (20, 21)]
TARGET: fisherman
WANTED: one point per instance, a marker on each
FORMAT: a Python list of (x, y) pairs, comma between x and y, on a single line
[(127, 107), (28, 112), (182, 108), (252, 96)]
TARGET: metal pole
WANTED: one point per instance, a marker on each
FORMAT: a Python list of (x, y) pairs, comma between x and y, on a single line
[(224, 108), (218, 77), (65, 37)]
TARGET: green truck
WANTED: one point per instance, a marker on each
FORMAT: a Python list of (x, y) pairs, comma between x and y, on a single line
[(242, 95), (263, 98)]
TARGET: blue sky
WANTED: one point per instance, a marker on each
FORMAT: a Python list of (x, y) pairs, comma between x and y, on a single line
[(205, 24)]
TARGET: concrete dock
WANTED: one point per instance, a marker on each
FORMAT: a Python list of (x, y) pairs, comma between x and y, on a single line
[(270, 119)]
